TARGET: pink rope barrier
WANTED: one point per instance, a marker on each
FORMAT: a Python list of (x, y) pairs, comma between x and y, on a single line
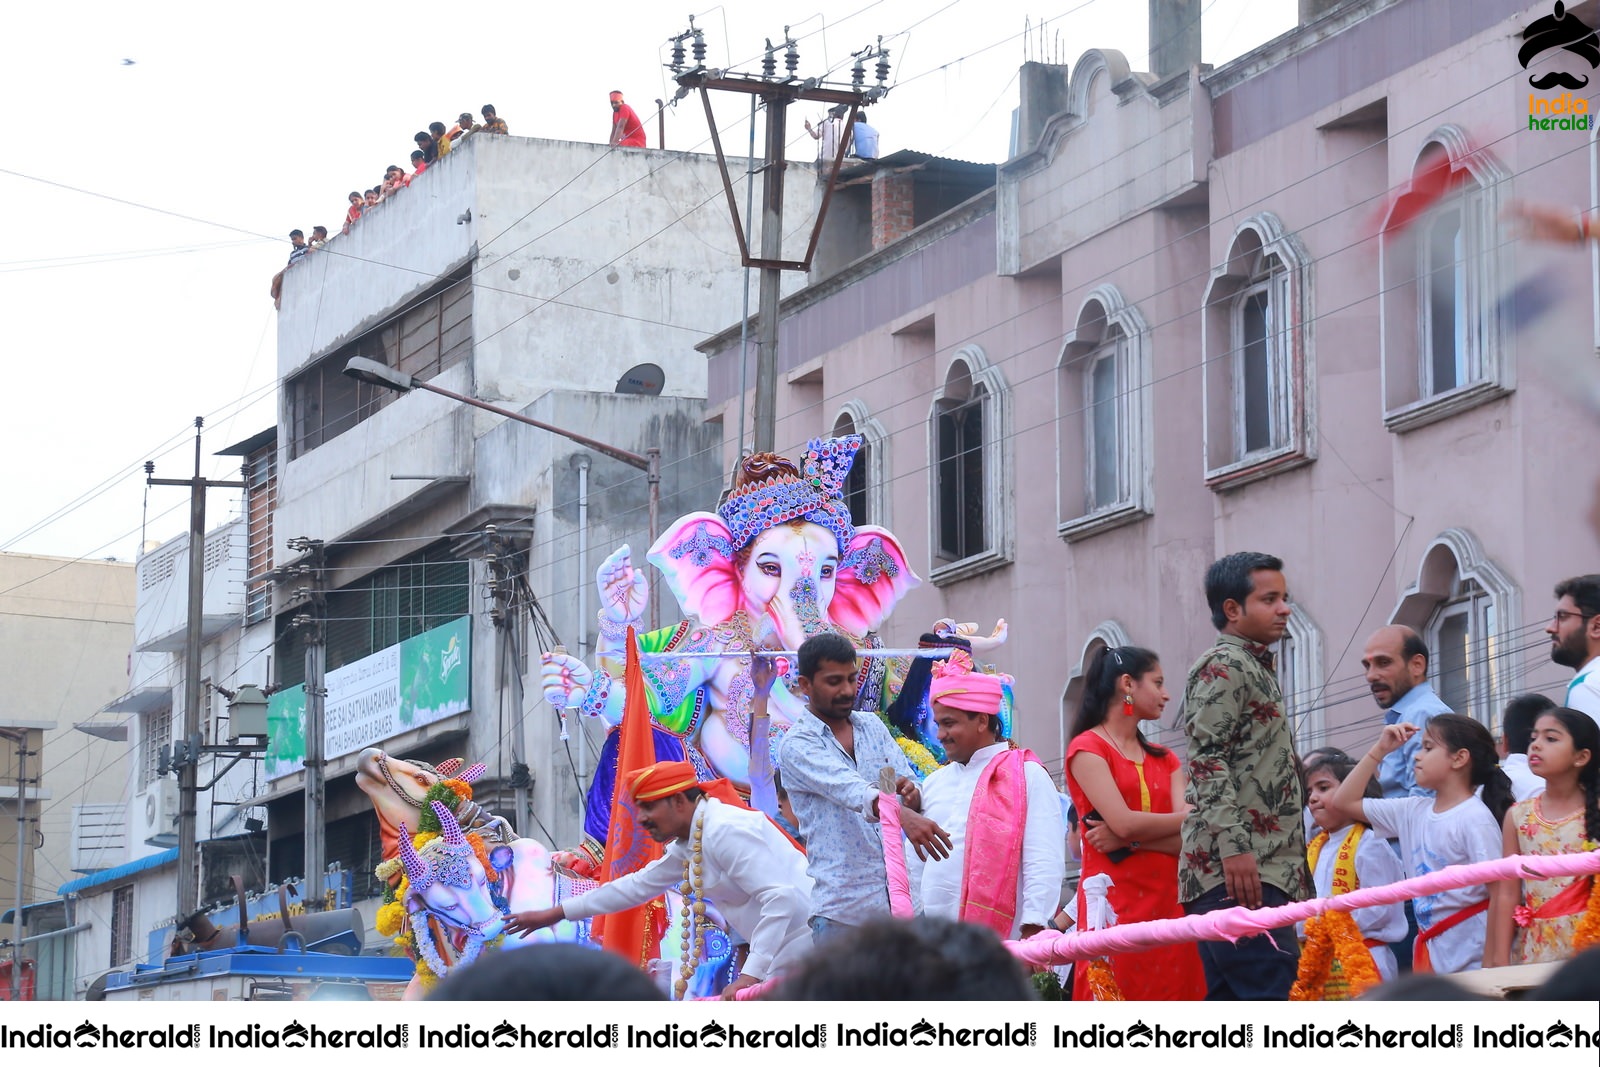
[(1045, 950)]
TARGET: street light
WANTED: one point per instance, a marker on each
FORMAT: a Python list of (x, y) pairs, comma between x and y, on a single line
[(374, 373)]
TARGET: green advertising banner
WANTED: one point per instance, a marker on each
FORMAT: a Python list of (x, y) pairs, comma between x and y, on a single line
[(421, 680)]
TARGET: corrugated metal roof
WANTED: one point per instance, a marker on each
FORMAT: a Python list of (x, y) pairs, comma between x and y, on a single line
[(112, 874)]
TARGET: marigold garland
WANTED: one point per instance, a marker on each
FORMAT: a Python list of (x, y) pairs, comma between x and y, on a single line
[(1102, 981), (391, 918), (919, 756), (481, 850), (1333, 943)]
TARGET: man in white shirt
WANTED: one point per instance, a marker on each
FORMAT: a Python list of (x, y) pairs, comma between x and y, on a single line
[(1516, 731), (828, 135), (1575, 640), (999, 807), (734, 858)]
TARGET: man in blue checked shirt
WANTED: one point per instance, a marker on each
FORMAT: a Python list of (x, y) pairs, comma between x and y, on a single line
[(830, 759)]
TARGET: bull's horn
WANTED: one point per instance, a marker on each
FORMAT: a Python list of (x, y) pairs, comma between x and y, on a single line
[(449, 767), (449, 825), (418, 873), (472, 773)]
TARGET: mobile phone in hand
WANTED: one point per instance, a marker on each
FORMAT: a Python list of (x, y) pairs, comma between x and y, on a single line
[(1116, 855)]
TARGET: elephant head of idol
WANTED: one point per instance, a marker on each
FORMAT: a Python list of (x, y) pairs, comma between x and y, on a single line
[(782, 549)]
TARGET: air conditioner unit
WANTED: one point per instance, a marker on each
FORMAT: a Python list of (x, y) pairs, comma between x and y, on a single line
[(155, 813)]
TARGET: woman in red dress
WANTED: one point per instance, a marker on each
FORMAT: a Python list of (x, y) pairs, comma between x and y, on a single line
[(1128, 795)]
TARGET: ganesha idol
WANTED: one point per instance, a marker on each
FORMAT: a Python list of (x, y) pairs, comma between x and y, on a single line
[(778, 561)]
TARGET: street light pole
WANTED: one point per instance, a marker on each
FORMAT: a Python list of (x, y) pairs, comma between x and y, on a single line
[(374, 373)]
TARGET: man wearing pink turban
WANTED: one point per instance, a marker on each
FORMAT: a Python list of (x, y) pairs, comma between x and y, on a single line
[(1008, 850)]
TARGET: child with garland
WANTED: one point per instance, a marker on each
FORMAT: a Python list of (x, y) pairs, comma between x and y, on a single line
[(1452, 827), (1345, 855), (1542, 920)]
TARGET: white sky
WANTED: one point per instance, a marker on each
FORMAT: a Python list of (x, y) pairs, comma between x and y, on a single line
[(124, 323)]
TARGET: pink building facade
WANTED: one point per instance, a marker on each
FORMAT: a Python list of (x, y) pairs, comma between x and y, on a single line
[(1184, 322)]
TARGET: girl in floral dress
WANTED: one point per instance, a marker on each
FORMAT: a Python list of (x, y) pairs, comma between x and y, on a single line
[(1535, 920)]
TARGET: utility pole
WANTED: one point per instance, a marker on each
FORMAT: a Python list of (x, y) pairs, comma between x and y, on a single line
[(776, 94), (500, 587), (313, 625), (186, 751), (20, 736)]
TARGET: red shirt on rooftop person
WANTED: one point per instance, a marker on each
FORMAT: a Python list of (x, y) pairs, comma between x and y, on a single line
[(626, 129)]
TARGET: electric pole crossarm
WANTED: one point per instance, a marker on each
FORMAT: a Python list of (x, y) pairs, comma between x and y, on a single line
[(209, 483), (727, 184)]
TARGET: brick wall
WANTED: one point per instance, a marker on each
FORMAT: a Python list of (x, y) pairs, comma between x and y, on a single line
[(892, 216)]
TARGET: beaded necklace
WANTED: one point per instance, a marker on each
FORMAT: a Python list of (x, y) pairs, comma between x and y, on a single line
[(694, 904)]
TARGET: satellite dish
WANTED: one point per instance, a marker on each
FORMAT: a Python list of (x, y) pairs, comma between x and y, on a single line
[(646, 379)]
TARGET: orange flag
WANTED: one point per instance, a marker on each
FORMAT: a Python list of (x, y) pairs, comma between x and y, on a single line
[(634, 934)]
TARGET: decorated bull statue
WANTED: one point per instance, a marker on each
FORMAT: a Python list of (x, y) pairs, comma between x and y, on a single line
[(451, 881), (401, 789)]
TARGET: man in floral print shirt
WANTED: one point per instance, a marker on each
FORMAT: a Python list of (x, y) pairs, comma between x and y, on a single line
[(1243, 840)]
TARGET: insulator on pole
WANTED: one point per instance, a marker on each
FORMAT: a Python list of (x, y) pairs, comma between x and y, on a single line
[(883, 64), (769, 64), (858, 75), (791, 55), (677, 54), (699, 47)]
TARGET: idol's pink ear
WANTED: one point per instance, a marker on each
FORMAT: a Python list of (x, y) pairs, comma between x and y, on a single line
[(873, 576), (696, 556)]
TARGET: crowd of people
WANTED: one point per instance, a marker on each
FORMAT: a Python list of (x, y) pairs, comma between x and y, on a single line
[(627, 131), (1244, 820), (432, 143)]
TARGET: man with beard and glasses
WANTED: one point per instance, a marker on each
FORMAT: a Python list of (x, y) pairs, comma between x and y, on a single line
[(1396, 662), (736, 859), (1575, 640), (830, 759)]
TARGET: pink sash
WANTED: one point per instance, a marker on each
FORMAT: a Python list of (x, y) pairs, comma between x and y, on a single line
[(996, 822), (894, 856)]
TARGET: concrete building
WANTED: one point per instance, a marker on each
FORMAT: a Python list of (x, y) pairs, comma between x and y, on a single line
[(1171, 330), (568, 282), (65, 628)]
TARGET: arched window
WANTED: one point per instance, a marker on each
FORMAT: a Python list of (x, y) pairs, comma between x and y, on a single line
[(1103, 418), (1109, 634), (1300, 678), (1443, 350), (970, 445), (1257, 360), (1466, 608), (865, 490)]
